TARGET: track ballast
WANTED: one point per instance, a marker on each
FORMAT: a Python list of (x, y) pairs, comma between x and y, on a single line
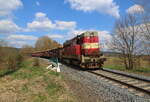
[(140, 87)]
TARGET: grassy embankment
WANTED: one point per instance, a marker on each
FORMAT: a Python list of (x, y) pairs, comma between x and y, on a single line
[(33, 84), (116, 64)]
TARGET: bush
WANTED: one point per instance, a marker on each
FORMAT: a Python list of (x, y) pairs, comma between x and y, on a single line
[(11, 60), (36, 62), (14, 60)]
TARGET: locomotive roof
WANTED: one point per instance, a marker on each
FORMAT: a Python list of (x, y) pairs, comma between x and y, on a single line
[(47, 50), (87, 33)]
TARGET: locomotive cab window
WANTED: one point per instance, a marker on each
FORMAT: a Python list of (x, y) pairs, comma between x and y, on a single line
[(79, 41)]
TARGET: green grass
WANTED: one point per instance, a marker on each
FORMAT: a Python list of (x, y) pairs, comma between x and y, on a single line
[(25, 88), (115, 67), (121, 68), (117, 64), (5, 71), (144, 70), (52, 88), (54, 73), (37, 84), (40, 98), (27, 71)]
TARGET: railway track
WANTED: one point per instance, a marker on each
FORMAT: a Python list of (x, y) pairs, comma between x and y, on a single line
[(138, 86)]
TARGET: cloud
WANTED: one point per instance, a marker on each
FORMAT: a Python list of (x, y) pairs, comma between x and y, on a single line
[(39, 15), (18, 40), (101, 6), (37, 3), (8, 26), (135, 9), (21, 37), (18, 44), (7, 6), (43, 23), (64, 25), (55, 36), (104, 36)]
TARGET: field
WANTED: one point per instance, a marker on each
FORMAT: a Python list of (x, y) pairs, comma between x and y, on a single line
[(143, 66), (34, 84)]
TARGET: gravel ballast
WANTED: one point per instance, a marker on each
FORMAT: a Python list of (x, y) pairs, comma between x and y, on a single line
[(100, 88)]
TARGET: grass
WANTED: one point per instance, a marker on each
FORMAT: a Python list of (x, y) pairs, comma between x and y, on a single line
[(5, 71), (27, 71), (116, 64), (115, 67), (144, 70), (54, 73), (33, 84), (52, 88), (25, 88), (40, 98)]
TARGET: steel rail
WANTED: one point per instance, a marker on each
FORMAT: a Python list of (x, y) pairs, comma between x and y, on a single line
[(123, 74), (122, 82)]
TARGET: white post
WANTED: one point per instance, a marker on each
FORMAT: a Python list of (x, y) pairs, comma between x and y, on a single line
[(58, 68)]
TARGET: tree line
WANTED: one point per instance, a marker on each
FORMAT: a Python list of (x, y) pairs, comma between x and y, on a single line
[(11, 58)]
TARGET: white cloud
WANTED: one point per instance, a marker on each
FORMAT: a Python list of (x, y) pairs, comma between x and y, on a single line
[(104, 38), (18, 44), (64, 25), (57, 36), (8, 26), (135, 9), (41, 22), (18, 41), (40, 15), (21, 37), (37, 3), (72, 33), (7, 6), (102, 6)]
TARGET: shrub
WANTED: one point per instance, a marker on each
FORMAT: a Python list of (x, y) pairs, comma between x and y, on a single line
[(36, 62), (13, 60)]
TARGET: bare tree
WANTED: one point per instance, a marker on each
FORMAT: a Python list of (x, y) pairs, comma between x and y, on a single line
[(145, 34), (126, 40), (44, 43), (145, 26)]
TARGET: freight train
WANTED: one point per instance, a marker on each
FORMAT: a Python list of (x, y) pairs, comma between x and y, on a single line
[(83, 50)]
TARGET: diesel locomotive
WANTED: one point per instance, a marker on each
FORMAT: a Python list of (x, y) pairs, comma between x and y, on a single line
[(83, 50)]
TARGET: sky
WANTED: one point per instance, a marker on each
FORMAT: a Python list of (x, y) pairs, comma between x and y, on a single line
[(22, 22)]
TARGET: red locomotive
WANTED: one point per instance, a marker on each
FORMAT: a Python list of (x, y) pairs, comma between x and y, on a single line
[(83, 50)]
